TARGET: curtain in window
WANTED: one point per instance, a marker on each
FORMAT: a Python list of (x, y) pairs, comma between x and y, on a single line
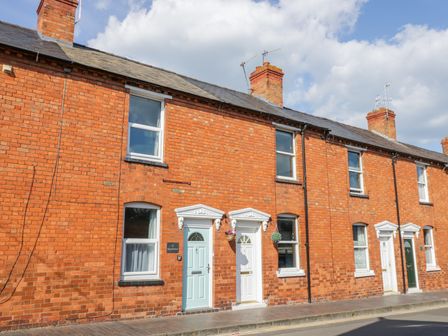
[(140, 257)]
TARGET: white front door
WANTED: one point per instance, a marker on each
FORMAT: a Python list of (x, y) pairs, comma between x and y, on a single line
[(388, 264), (247, 265)]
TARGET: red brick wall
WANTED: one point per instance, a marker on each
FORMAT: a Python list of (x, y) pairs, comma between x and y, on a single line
[(229, 160)]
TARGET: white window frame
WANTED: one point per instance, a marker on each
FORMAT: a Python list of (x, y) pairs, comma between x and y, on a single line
[(134, 91), (362, 272), (358, 171), (154, 275), (430, 267), (294, 271), (425, 183), (293, 154)]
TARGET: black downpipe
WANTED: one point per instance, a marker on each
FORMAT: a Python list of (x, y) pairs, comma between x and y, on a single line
[(397, 206), (305, 200)]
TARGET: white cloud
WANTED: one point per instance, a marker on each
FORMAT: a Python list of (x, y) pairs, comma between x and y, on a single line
[(324, 75)]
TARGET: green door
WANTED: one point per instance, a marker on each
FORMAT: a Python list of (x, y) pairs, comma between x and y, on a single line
[(410, 264)]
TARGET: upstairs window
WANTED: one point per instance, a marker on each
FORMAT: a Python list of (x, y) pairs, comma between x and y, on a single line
[(141, 242), (285, 150), (355, 172), (422, 182), (145, 132), (429, 248)]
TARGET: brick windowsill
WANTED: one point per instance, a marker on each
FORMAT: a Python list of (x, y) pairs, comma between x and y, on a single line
[(135, 283), (426, 203), (146, 162), (286, 181), (359, 195)]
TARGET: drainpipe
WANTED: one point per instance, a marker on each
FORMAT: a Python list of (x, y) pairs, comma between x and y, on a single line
[(397, 206), (305, 200)]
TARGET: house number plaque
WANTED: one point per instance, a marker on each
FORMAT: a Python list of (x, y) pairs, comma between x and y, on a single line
[(172, 247)]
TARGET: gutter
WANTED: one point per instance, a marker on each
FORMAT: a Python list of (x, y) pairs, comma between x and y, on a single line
[(397, 206), (305, 200)]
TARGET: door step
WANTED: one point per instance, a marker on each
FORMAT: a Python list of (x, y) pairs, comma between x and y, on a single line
[(249, 305)]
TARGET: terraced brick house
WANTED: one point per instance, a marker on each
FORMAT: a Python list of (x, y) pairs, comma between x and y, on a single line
[(130, 191)]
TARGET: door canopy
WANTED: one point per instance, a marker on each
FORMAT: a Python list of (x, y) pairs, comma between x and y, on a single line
[(386, 229), (408, 230), (200, 211), (249, 214)]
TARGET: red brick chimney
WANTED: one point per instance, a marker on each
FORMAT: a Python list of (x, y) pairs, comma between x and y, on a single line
[(56, 19), (445, 145), (266, 82), (382, 121)]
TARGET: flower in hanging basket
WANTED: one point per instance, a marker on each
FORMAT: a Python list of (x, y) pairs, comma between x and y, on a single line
[(276, 237), (230, 234)]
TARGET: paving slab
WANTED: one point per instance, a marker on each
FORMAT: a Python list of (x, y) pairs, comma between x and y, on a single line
[(244, 320)]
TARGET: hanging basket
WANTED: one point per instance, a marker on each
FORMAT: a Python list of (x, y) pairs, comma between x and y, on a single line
[(230, 235), (276, 237)]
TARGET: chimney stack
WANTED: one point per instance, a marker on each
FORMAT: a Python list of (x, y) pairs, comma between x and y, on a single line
[(56, 19), (382, 120), (266, 82), (445, 145)]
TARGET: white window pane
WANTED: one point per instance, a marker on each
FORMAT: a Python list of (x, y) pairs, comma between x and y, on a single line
[(427, 236), (355, 180), (145, 111), (143, 141), (284, 141), (354, 160), (359, 235), (421, 174), (285, 165), (422, 191), (286, 256), (361, 258), (429, 259), (140, 258), (140, 223), (286, 227)]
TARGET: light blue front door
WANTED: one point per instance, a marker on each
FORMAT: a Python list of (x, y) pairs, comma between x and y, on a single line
[(196, 273)]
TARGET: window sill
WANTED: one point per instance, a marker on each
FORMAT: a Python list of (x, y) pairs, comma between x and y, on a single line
[(433, 269), (290, 272), (287, 181), (364, 274), (426, 203), (146, 162), (352, 194), (139, 283)]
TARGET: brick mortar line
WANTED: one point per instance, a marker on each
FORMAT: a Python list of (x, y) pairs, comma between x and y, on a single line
[(309, 319)]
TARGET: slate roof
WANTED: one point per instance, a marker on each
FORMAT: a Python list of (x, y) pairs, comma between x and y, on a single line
[(29, 40)]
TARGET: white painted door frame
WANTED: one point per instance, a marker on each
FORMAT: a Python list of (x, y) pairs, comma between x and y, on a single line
[(388, 230), (202, 216), (196, 223), (255, 228), (249, 218), (410, 231)]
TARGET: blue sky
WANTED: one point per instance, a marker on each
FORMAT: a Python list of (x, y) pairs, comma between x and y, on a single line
[(378, 19), (336, 54)]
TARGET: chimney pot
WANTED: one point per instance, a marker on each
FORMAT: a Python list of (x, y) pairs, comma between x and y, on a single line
[(382, 120), (56, 19), (445, 145), (266, 82)]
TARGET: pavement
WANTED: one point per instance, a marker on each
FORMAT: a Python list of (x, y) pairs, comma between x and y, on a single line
[(428, 323), (236, 322)]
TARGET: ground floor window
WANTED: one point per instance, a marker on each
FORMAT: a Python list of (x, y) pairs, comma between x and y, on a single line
[(140, 241), (288, 246), (361, 250), (429, 248)]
